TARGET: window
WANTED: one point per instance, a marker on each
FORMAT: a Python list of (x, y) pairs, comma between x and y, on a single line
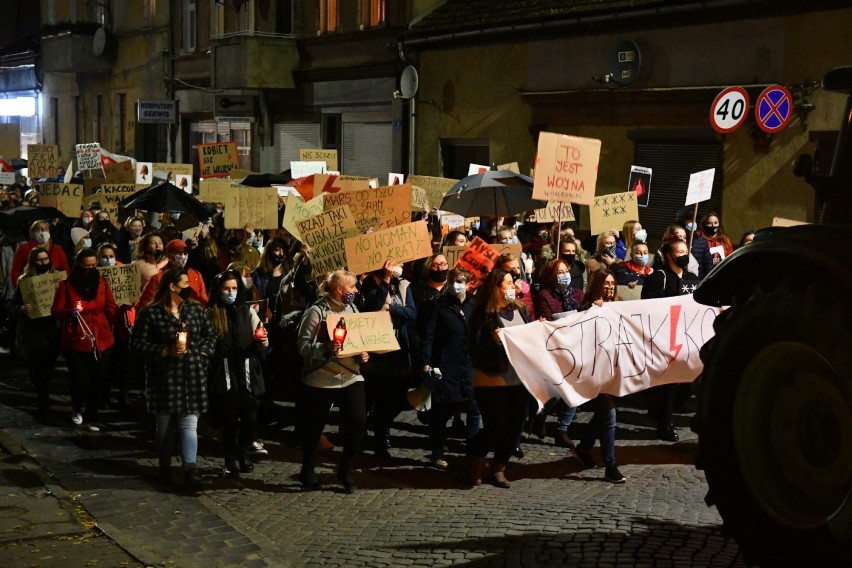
[(457, 154), (329, 15), (79, 111), (54, 116), (189, 23), (121, 123), (372, 13), (208, 131), (100, 121)]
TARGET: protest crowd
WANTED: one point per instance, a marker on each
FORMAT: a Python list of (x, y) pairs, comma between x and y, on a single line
[(204, 322)]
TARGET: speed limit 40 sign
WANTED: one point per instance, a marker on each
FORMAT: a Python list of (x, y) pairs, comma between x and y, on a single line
[(729, 110)]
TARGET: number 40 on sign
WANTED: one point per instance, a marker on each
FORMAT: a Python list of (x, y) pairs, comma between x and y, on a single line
[(729, 110)]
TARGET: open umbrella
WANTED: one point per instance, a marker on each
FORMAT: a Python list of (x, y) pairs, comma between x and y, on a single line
[(166, 197), (24, 215), (491, 194)]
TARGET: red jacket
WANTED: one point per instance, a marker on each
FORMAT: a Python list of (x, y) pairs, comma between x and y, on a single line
[(97, 314), (22, 255), (196, 282)]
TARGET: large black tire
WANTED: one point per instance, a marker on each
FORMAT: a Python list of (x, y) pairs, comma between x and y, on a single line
[(775, 428)]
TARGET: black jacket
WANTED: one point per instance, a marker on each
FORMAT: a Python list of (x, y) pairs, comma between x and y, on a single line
[(443, 345), (486, 354), (663, 283)]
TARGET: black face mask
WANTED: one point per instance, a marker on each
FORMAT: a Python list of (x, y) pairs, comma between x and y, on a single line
[(42, 268), (157, 254), (682, 261), (185, 293), (515, 276), (438, 275), (569, 258), (86, 281), (708, 230)]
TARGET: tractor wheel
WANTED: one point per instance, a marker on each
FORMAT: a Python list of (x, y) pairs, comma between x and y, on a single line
[(775, 428)]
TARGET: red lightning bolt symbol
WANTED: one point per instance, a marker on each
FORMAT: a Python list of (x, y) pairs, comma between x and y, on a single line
[(329, 186), (675, 348)]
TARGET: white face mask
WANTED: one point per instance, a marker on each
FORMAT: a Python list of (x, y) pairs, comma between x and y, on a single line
[(641, 235), (509, 294), (247, 282), (41, 237), (107, 261), (459, 289), (87, 243), (179, 260), (396, 271)]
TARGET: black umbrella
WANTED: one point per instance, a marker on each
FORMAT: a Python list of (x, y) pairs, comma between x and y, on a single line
[(165, 197), (23, 216), (491, 194), (265, 180)]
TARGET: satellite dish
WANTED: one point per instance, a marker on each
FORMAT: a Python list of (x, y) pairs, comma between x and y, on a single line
[(408, 82), (99, 41), (627, 63)]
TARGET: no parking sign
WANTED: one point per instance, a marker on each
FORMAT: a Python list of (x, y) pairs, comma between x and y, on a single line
[(773, 109)]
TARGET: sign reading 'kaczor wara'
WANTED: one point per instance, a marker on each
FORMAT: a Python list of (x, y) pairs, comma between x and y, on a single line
[(402, 243), (566, 168)]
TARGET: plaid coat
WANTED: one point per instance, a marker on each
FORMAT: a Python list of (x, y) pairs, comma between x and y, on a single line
[(174, 384)]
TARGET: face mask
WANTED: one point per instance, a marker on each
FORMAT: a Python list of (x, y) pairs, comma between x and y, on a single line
[(610, 250), (396, 271), (641, 235), (175, 216), (107, 261), (569, 258), (563, 280), (515, 276), (682, 261), (179, 260), (609, 294), (134, 231), (348, 298), (506, 241), (641, 259), (157, 254), (708, 230), (459, 289), (690, 227), (87, 243), (247, 282), (42, 268), (474, 227), (184, 293), (438, 275), (42, 237), (509, 294), (229, 297), (543, 235), (280, 259)]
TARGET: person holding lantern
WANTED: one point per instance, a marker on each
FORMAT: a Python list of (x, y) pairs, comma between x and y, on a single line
[(236, 380)]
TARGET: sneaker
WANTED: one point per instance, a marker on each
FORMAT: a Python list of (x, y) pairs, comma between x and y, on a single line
[(76, 418), (257, 448), (612, 475)]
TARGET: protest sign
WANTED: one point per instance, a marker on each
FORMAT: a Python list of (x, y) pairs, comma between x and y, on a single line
[(108, 197), (254, 206), (184, 182), (120, 172), (295, 210), (419, 199), (370, 332), (237, 173), (320, 155), (88, 156), (7, 178), (435, 188), (454, 253), (478, 258), (402, 243), (67, 197), (191, 233), (164, 170), (452, 222), (555, 211), (39, 290), (474, 169), (215, 190), (42, 160), (395, 179), (378, 208), (217, 159), (299, 169), (782, 222), (125, 281), (700, 186), (612, 211), (618, 349), (329, 183), (511, 166), (640, 184), (325, 234), (144, 173), (566, 168), (10, 140)]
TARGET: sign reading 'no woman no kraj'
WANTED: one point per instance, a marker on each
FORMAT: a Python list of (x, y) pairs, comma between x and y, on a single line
[(566, 168), (402, 243), (618, 349)]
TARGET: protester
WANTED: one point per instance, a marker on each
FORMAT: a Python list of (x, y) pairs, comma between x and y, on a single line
[(85, 308), (238, 248), (455, 239), (604, 256), (39, 237), (712, 230), (631, 233), (330, 379), (700, 248), (747, 238), (177, 255), (236, 380), (176, 340), (128, 238), (633, 272), (150, 256)]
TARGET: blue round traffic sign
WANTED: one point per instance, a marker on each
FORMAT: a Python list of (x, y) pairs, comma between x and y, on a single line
[(773, 109)]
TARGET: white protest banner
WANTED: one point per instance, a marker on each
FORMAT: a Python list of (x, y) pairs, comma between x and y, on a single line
[(365, 253), (435, 188), (89, 156), (165, 170), (125, 281), (640, 184), (67, 197), (454, 253), (566, 168), (370, 332), (319, 155), (473, 169), (300, 169), (191, 233), (42, 160), (618, 349), (555, 211), (296, 209), (39, 290), (718, 254), (144, 173), (378, 208), (700, 186), (325, 234), (612, 211)]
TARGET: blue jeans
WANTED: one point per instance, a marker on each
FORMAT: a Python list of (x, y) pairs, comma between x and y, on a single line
[(566, 416), (187, 426), (602, 427)]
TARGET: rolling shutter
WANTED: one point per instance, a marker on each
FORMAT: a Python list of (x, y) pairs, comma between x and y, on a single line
[(291, 137), (367, 149)]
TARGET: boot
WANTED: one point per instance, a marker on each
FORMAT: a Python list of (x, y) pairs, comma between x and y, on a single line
[(246, 465), (563, 440), (164, 475), (475, 465), (498, 478), (191, 479), (231, 469)]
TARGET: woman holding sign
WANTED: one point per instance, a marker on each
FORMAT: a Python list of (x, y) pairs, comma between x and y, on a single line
[(36, 337), (330, 378)]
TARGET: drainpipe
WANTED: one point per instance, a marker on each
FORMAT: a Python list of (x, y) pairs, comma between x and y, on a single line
[(170, 87)]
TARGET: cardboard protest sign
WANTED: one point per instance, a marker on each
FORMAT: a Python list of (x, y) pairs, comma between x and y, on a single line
[(300, 169), (419, 199), (67, 197), (325, 234), (478, 258), (254, 206), (700, 186), (120, 172), (612, 211), (217, 159), (370, 332), (782, 222), (237, 173), (125, 281), (511, 166), (320, 155), (39, 290), (435, 188), (191, 233), (575, 358), (42, 160), (566, 168), (109, 195), (214, 190), (88, 156), (554, 212), (640, 184), (329, 183), (165, 170), (378, 208), (402, 243), (454, 253), (295, 210)]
